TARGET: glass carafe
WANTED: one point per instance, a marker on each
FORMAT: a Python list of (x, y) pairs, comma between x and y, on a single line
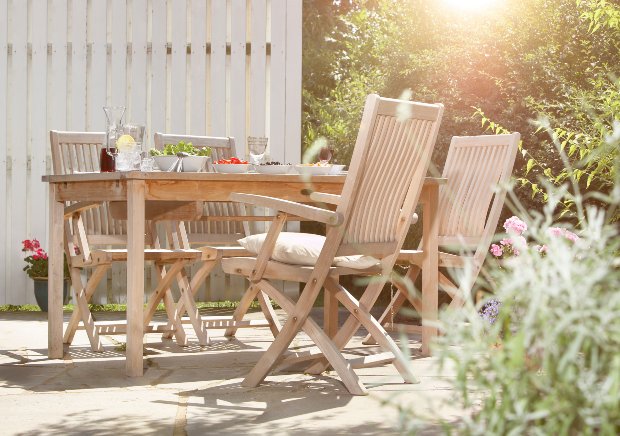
[(113, 131)]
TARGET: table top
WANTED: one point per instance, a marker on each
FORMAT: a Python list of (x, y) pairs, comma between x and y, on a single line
[(163, 175)]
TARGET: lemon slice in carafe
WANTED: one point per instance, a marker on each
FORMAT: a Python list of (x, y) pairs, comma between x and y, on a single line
[(125, 143)]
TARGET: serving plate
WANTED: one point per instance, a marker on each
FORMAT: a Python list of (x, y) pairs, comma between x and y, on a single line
[(313, 170), (273, 169), (231, 168), (191, 164)]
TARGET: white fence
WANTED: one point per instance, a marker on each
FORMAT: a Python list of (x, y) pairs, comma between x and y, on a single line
[(215, 67)]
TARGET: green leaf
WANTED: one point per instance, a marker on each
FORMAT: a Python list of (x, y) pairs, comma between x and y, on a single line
[(530, 164)]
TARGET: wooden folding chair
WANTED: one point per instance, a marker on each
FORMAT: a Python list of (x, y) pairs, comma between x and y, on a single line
[(389, 163), (470, 204), (90, 224), (220, 226)]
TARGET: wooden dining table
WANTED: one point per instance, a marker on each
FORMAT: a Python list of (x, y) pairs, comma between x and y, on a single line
[(136, 187)]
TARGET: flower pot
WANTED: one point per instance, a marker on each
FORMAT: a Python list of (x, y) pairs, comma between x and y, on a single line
[(40, 293)]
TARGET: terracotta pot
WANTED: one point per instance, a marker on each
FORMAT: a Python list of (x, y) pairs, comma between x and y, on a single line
[(40, 292)]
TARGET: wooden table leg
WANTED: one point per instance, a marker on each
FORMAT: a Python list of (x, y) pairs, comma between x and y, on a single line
[(430, 268), (55, 274), (135, 276)]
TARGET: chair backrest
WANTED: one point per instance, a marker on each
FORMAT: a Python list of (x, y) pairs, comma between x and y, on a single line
[(211, 229), (74, 152), (469, 204), (389, 163)]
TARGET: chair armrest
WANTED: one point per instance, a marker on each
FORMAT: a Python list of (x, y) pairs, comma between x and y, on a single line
[(289, 207), (80, 206), (325, 198)]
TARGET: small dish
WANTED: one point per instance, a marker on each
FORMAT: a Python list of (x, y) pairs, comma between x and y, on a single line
[(273, 169), (194, 164), (313, 170), (165, 163), (337, 169), (231, 168)]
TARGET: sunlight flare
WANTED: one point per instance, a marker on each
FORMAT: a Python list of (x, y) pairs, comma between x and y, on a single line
[(470, 5)]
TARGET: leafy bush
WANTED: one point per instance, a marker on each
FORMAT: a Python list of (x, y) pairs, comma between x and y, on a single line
[(181, 147)]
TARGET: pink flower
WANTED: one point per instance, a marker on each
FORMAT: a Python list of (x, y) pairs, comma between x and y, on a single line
[(562, 232), (541, 249), (511, 244), (515, 226), (496, 250)]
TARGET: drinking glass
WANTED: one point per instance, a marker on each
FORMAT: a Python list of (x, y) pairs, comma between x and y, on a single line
[(257, 146), (107, 160), (129, 158), (325, 155), (147, 164)]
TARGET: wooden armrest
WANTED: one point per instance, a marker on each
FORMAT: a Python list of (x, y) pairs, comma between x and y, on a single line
[(325, 198), (289, 207), (80, 206)]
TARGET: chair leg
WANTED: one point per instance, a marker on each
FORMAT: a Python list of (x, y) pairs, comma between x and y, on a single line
[(269, 313), (403, 293), (373, 326), (395, 304), (187, 297), (242, 308), (163, 292), (197, 280), (81, 311), (287, 334), (350, 326)]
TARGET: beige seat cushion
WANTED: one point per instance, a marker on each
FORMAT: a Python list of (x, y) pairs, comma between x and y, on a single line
[(303, 249)]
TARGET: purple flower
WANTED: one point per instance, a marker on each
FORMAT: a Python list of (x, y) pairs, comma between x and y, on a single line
[(490, 310)]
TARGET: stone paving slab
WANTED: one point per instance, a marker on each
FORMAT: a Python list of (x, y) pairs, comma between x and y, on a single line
[(190, 390)]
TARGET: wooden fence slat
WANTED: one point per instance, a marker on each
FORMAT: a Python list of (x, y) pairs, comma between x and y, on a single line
[(238, 61), (78, 65), (293, 81), (277, 80), (97, 75), (118, 55), (158, 67), (258, 62), (138, 82), (178, 67), (218, 68), (18, 287), (4, 24), (198, 63), (39, 139), (292, 125), (230, 92), (58, 113)]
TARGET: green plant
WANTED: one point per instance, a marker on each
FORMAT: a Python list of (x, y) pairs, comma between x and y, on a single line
[(548, 364), (181, 147), (37, 262)]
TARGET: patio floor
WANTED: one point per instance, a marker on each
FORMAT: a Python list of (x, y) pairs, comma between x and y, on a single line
[(193, 389)]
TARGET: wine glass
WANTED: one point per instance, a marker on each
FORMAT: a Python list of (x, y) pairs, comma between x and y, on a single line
[(325, 155), (257, 146)]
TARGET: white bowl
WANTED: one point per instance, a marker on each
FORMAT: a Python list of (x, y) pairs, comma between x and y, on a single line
[(309, 170), (231, 168), (337, 169), (164, 163), (273, 169), (194, 164)]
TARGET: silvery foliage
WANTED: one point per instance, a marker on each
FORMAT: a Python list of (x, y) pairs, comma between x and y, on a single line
[(550, 363)]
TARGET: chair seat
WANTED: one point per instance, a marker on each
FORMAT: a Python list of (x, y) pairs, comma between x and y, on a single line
[(284, 271), (105, 256)]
